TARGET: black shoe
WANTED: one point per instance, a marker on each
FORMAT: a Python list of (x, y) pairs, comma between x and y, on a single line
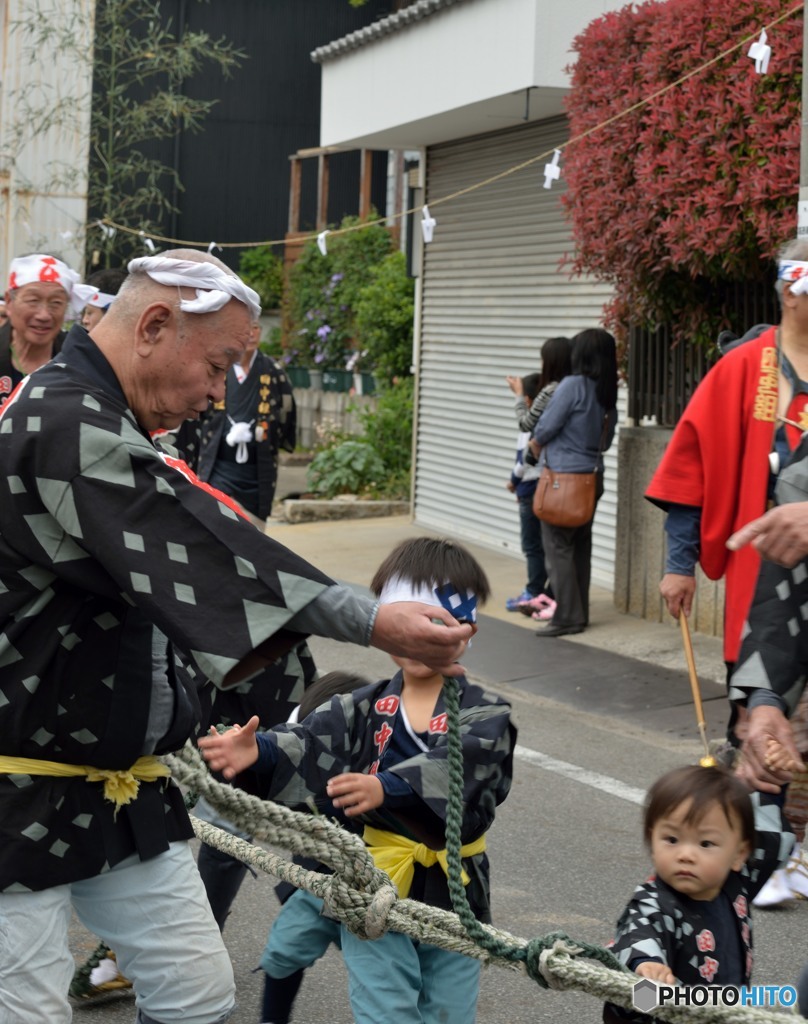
[(559, 630)]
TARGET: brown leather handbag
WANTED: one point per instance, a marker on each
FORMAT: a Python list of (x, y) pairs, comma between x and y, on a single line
[(565, 499), (568, 499)]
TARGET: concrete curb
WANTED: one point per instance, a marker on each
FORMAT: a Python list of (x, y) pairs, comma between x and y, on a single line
[(300, 510)]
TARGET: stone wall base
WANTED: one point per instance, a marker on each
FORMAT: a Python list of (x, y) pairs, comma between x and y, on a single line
[(304, 511), (640, 555)]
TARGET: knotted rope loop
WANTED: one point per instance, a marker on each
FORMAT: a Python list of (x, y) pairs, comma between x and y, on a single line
[(378, 912), (365, 900)]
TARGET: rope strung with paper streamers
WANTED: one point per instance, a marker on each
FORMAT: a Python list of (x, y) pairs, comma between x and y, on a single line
[(367, 902), (106, 224)]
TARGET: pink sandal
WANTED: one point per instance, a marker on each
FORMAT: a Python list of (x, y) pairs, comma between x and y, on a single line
[(532, 607), (547, 612)]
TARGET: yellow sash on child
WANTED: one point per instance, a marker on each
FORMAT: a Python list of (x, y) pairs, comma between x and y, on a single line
[(397, 856), (120, 787)]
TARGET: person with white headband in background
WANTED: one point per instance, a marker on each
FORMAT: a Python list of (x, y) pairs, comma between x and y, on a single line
[(387, 771), (719, 472), (98, 293), (41, 291), (125, 582), (242, 435)]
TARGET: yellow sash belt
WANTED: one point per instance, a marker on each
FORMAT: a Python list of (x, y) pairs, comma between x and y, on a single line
[(397, 856), (120, 787)]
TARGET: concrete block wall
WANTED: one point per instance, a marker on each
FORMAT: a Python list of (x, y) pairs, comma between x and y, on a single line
[(640, 554), (338, 408)]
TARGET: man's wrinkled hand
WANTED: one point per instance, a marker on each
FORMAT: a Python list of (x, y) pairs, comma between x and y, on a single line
[(781, 535), (408, 630), (678, 592)]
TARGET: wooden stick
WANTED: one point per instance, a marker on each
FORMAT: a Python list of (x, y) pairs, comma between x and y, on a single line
[(695, 689)]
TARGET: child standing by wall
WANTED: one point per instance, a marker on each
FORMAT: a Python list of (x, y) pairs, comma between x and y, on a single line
[(522, 483), (713, 847), (387, 769), (533, 394)]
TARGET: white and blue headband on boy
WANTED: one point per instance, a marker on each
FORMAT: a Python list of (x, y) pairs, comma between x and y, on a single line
[(445, 595)]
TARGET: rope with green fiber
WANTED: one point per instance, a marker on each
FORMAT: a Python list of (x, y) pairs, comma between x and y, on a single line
[(367, 902)]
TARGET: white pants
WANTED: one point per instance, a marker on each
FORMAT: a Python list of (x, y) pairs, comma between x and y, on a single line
[(153, 914)]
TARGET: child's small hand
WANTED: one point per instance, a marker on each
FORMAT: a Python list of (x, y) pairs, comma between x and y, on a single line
[(510, 486), (233, 751), (656, 972), (778, 759), (355, 793)]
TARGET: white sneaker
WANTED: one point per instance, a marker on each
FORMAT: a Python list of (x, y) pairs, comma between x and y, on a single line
[(788, 883), (797, 871), (775, 892)]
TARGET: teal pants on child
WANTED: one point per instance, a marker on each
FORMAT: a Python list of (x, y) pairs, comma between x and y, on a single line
[(299, 935), (395, 978)]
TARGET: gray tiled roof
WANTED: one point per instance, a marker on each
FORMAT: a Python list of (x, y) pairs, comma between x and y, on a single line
[(379, 29)]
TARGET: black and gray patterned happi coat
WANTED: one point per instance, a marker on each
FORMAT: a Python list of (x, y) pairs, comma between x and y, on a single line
[(349, 734), (774, 649), (100, 538)]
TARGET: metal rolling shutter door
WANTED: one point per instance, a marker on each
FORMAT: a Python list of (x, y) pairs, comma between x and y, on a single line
[(492, 293)]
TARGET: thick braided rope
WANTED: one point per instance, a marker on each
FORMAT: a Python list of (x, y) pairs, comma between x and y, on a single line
[(363, 897)]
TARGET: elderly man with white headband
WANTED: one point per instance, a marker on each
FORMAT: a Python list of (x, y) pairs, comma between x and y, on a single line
[(41, 289), (124, 584)]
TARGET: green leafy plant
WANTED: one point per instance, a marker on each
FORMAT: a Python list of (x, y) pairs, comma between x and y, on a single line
[(349, 468), (375, 465), (384, 317), (262, 269), (696, 189), (323, 292), (388, 426)]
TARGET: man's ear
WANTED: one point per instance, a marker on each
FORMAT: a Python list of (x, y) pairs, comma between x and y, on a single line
[(789, 299), (152, 325)]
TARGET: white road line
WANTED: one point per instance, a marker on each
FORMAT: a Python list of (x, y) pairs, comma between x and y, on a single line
[(573, 771)]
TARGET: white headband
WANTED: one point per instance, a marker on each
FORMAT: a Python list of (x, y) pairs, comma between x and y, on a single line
[(43, 269), (89, 296), (443, 596), (795, 272), (214, 287)]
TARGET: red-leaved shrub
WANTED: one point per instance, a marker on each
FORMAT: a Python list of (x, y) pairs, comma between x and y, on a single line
[(698, 187)]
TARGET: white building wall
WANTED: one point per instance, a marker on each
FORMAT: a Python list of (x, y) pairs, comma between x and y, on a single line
[(45, 92), (430, 80)]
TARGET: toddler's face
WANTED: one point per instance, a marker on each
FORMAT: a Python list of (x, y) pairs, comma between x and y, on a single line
[(695, 858)]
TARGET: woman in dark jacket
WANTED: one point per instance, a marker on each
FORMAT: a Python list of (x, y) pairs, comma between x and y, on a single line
[(574, 431)]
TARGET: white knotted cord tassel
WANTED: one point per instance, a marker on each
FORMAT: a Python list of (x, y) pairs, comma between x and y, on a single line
[(240, 434)]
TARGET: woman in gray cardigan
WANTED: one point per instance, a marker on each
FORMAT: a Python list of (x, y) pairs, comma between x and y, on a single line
[(574, 431)]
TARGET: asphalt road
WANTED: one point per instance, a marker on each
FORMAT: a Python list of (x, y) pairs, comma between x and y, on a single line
[(566, 848)]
